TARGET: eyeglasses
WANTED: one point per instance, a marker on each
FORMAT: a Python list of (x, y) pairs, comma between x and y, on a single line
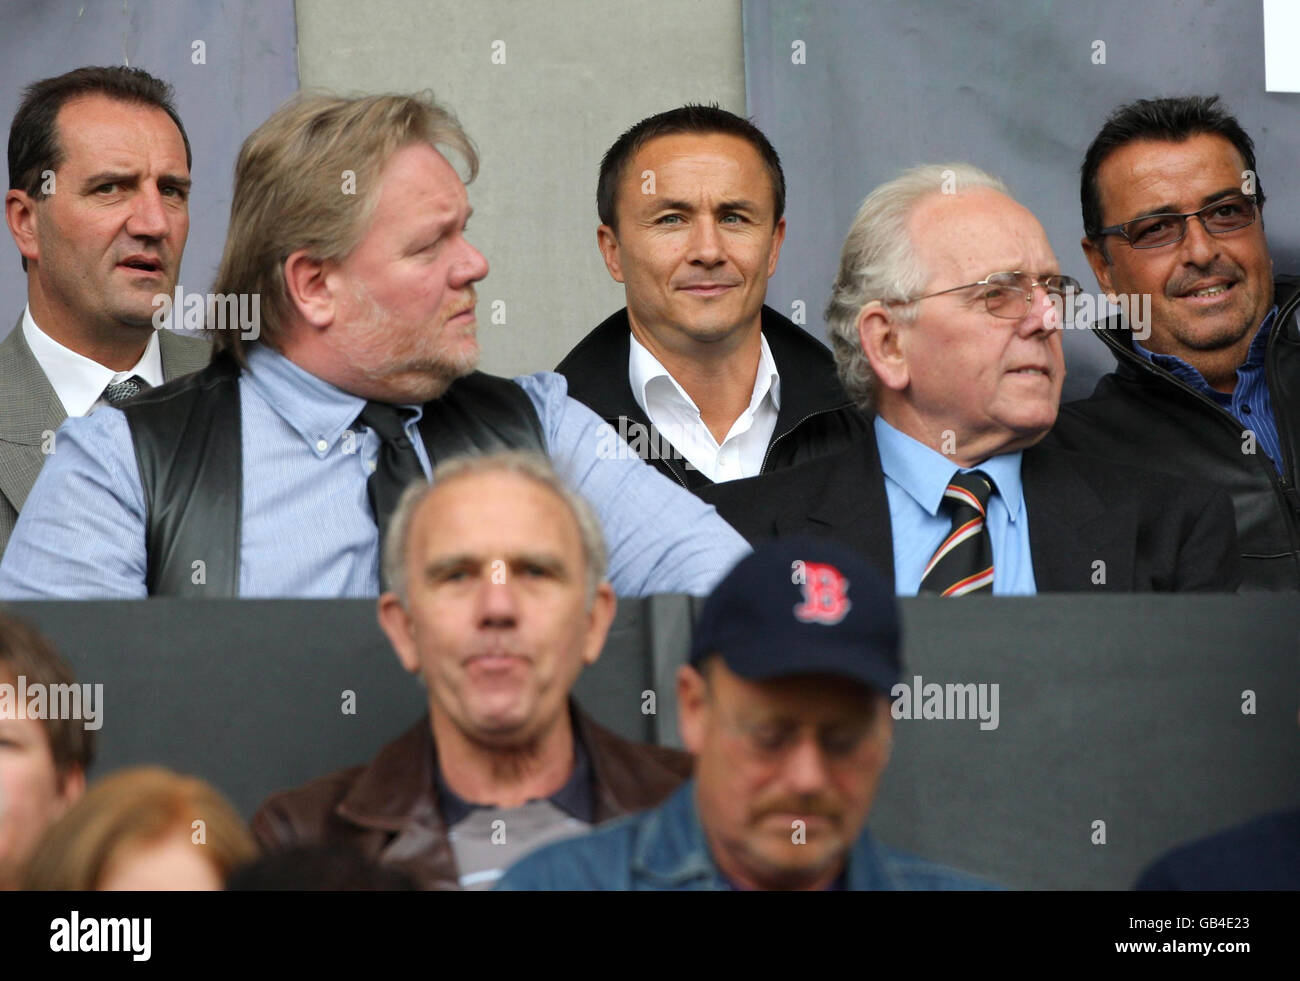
[(1009, 294), (1152, 231), (770, 741)]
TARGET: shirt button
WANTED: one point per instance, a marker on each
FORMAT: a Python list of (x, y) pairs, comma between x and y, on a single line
[(321, 446), (1246, 409)]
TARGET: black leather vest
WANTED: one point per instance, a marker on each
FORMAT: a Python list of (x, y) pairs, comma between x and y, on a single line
[(189, 450)]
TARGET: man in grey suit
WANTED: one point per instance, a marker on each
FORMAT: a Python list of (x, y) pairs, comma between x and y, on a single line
[(98, 205)]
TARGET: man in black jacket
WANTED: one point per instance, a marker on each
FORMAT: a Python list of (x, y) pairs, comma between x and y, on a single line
[(1207, 383), (696, 374), (943, 320)]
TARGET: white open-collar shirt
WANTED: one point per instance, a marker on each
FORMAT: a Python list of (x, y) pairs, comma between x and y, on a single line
[(677, 417), (78, 381)]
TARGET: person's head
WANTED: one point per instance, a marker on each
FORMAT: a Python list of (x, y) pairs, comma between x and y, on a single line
[(1211, 287), (785, 707), (691, 204), (945, 369), (43, 762), (98, 199), (498, 594), (349, 223), (144, 828)]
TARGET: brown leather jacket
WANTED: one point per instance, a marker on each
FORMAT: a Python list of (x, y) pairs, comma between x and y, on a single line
[(387, 809)]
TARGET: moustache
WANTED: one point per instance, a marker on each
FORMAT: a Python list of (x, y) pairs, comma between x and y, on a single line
[(469, 304), (816, 807), (1216, 270)]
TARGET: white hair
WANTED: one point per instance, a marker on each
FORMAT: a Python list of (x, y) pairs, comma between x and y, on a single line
[(878, 262)]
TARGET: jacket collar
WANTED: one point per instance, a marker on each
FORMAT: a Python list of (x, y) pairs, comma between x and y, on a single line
[(852, 483), (1117, 335), (670, 851), (1069, 525), (29, 408), (35, 407), (395, 793), (596, 370)]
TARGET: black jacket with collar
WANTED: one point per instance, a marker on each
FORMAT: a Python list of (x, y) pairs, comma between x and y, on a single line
[(1142, 415), (1150, 532), (816, 416)]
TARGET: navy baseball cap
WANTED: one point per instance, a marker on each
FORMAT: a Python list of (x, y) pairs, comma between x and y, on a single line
[(803, 606)]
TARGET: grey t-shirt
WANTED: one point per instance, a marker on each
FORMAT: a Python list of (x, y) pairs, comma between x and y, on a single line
[(491, 839), (486, 840)]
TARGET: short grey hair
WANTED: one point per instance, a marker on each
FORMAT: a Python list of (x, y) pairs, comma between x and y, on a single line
[(532, 466), (878, 262)]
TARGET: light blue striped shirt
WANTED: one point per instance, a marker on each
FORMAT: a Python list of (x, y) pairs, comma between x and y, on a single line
[(915, 479), (307, 529)]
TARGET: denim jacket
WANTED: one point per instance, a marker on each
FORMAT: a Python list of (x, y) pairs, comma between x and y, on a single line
[(664, 849)]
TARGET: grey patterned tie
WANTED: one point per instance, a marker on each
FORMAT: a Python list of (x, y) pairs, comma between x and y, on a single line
[(119, 392)]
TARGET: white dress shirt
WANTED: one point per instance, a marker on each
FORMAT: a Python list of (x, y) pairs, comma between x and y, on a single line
[(677, 417), (78, 381)]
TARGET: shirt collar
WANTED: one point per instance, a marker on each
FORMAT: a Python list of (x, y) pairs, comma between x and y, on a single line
[(644, 369), (76, 379), (1177, 366), (316, 410), (924, 474), (574, 798)]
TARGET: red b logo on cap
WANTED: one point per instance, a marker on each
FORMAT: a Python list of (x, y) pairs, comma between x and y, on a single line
[(825, 595)]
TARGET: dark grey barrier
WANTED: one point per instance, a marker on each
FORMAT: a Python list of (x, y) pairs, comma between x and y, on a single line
[(1120, 728)]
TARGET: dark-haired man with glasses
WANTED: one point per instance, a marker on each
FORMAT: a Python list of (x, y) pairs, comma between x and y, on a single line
[(1208, 389), (944, 322)]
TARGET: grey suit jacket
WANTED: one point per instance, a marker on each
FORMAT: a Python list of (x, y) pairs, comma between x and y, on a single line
[(29, 408)]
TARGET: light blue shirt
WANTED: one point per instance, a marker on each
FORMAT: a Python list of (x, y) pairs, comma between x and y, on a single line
[(307, 529), (915, 479)]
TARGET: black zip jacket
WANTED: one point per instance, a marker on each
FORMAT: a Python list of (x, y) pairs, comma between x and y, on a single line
[(1142, 415), (815, 418)]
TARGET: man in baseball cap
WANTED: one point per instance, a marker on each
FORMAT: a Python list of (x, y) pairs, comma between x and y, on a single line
[(785, 706)]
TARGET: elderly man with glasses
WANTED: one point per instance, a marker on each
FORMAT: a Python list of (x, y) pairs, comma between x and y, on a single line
[(1172, 209), (945, 323)]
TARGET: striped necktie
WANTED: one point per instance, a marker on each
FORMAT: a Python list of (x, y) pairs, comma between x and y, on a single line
[(964, 562)]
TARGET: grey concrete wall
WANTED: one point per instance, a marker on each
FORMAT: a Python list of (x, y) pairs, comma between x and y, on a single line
[(576, 73)]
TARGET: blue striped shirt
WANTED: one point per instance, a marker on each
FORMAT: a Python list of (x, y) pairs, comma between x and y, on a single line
[(1250, 402), (306, 524)]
